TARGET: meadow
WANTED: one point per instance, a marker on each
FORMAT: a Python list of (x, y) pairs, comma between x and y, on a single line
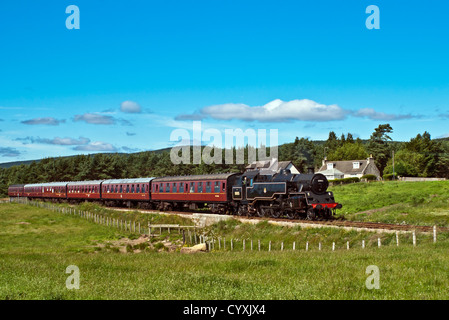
[(416, 203), (37, 245)]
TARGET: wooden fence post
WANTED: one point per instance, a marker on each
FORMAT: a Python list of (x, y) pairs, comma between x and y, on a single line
[(434, 234)]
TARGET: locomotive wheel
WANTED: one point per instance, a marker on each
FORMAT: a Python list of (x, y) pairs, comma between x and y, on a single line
[(262, 212), (275, 213), (241, 211), (311, 214), (290, 215)]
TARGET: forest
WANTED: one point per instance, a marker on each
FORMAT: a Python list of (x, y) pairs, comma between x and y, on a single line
[(419, 157)]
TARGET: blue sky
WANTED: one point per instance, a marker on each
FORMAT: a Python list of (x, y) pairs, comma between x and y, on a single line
[(136, 71)]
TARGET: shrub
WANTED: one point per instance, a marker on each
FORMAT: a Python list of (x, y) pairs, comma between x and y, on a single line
[(346, 180), (369, 177), (389, 176)]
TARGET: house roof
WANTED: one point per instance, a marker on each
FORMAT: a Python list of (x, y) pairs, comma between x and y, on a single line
[(331, 172), (347, 167)]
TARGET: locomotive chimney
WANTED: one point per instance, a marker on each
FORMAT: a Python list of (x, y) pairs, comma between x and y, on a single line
[(310, 170)]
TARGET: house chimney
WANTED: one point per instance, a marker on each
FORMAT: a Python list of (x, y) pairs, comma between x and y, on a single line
[(324, 161)]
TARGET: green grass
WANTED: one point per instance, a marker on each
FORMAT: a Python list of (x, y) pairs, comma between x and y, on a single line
[(418, 203), (34, 257)]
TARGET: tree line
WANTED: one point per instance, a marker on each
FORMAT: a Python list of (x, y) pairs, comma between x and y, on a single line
[(421, 156)]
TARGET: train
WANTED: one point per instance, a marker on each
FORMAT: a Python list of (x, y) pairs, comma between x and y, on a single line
[(279, 194)]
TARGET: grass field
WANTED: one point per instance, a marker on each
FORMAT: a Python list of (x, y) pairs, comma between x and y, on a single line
[(418, 203), (37, 245)]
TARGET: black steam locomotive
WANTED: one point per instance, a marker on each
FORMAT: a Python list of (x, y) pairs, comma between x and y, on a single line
[(283, 194)]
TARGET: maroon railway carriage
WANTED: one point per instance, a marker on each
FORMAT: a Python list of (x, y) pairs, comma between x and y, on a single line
[(196, 191), (54, 190), (16, 190), (126, 191), (34, 190), (84, 190)]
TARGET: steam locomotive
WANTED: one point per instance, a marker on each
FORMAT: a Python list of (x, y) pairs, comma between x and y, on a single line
[(263, 193)]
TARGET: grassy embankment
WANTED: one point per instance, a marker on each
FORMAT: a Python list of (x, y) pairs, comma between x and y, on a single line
[(417, 203), (36, 246)]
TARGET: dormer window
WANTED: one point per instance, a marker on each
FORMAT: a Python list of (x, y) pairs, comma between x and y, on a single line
[(356, 165), (330, 166)]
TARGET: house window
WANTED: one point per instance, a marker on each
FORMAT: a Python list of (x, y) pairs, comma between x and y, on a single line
[(356, 165), (330, 166)]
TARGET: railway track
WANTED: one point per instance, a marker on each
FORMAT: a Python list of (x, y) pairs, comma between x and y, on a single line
[(331, 223)]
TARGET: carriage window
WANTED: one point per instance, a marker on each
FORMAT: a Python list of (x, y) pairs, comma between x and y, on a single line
[(223, 186), (181, 187), (132, 188), (167, 187), (192, 187), (138, 188), (127, 188), (208, 188), (217, 187), (175, 190), (143, 188), (200, 187), (157, 187)]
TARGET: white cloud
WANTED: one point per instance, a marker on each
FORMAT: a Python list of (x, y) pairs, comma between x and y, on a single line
[(130, 107), (94, 118), (274, 111), (375, 115), (96, 146), (49, 121)]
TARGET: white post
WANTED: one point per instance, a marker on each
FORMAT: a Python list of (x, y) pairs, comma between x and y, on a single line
[(259, 244), (434, 234), (347, 245), (363, 244), (333, 246), (414, 239), (319, 246), (282, 246), (378, 242), (269, 246), (232, 245), (294, 245), (243, 244), (397, 238), (251, 244), (307, 246)]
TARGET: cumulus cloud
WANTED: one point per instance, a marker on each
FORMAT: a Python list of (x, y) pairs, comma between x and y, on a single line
[(130, 107), (56, 141), (96, 146), (102, 119), (375, 115), (274, 111), (49, 121), (9, 152), (95, 118), (286, 111)]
